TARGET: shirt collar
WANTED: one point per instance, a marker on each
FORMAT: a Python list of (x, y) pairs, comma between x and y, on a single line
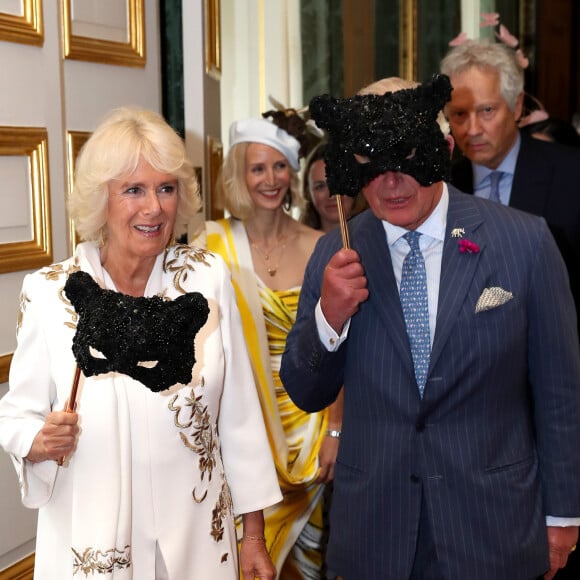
[(434, 226), (508, 165)]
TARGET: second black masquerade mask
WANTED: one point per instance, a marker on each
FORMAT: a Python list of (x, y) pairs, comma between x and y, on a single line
[(149, 339), (397, 131)]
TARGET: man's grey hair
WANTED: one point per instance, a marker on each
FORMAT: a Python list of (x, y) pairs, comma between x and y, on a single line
[(485, 56)]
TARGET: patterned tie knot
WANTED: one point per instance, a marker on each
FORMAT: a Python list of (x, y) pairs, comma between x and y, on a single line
[(412, 238)]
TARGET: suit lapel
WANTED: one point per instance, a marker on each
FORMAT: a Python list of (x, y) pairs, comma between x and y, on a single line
[(532, 178), (457, 268), (371, 243)]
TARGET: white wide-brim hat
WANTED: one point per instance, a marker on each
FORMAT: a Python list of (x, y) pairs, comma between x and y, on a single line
[(267, 133)]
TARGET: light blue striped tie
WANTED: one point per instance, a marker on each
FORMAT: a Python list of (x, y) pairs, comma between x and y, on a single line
[(413, 295)]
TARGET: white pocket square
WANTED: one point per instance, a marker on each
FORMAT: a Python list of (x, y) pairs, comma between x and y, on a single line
[(492, 298)]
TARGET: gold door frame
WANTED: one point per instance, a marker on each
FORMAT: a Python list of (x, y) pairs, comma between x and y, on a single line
[(408, 45)]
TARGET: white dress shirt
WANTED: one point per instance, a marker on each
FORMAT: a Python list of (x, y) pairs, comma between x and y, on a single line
[(482, 179)]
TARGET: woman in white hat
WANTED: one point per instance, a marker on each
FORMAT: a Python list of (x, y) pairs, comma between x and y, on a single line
[(267, 251)]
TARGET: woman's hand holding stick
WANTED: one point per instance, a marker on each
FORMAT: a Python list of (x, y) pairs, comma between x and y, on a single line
[(72, 400)]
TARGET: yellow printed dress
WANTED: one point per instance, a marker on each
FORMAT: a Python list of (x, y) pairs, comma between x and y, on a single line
[(293, 527), (304, 560)]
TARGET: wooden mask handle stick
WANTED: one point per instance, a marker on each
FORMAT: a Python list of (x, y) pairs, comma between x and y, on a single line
[(343, 226), (72, 400)]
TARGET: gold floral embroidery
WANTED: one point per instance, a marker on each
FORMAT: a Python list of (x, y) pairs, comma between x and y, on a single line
[(69, 310), (201, 439), (55, 271), (199, 499), (191, 416), (184, 261), (222, 509), (24, 300), (93, 561)]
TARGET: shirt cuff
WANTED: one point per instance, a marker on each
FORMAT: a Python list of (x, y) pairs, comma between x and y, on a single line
[(326, 333), (562, 522)]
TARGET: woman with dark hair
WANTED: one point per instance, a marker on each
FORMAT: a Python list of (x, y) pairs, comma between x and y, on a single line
[(320, 209)]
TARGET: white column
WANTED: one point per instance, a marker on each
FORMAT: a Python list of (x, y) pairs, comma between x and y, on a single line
[(193, 79), (261, 50), (470, 18)]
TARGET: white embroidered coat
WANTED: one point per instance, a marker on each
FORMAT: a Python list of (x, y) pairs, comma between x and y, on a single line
[(152, 472)]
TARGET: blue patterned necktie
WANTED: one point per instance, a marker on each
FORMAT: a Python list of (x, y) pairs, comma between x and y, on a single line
[(494, 179), (413, 295)]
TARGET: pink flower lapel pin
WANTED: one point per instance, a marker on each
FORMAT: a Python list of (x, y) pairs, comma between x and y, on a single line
[(465, 246)]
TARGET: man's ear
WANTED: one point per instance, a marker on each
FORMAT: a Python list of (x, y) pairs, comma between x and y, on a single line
[(450, 143)]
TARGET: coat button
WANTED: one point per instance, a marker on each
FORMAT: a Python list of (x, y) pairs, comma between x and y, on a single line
[(414, 478)]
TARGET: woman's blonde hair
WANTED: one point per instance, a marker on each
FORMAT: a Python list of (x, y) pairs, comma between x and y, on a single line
[(231, 185), (125, 137)]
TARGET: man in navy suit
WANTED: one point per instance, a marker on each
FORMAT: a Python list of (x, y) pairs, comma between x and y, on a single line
[(468, 467), (537, 177)]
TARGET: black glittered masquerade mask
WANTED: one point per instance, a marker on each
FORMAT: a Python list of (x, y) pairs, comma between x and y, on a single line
[(149, 339), (397, 131)]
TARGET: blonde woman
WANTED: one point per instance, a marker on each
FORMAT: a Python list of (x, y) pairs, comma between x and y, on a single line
[(267, 251), (154, 473)]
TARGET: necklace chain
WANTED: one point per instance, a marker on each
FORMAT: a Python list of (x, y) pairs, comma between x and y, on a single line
[(265, 256)]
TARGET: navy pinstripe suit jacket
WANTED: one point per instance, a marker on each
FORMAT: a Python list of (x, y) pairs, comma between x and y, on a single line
[(546, 183), (494, 444)]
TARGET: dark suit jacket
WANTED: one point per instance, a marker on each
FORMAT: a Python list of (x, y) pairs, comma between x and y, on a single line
[(546, 183), (494, 444)]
